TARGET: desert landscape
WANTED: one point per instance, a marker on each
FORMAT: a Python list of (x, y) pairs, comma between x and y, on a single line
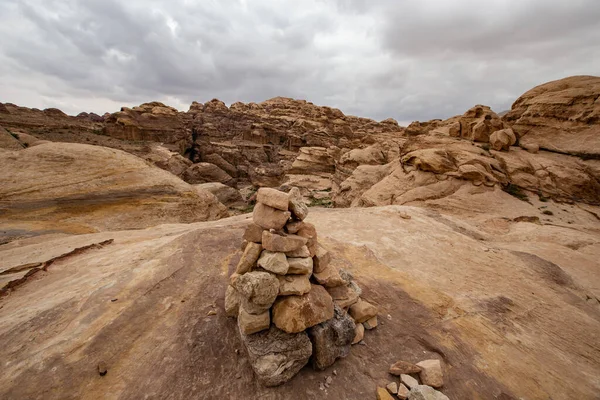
[(474, 240)]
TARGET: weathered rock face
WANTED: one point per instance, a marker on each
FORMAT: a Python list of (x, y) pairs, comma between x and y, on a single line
[(296, 313), (332, 339), (87, 188), (277, 356), (561, 116), (207, 172)]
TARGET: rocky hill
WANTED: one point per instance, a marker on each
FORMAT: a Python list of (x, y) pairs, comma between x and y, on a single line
[(477, 238)]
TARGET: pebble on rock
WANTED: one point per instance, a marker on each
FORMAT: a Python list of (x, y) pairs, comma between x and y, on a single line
[(383, 394), (371, 323), (409, 381), (403, 392), (402, 367), (392, 387)]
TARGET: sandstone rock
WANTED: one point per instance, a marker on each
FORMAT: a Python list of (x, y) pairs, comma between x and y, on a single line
[(392, 387), (371, 323), (560, 116), (207, 172), (294, 226), (8, 141), (423, 392), (331, 339), (297, 313), (273, 262), (85, 188), (296, 204), (329, 277), (322, 258), (259, 290), (530, 147), (313, 161), (502, 139), (402, 367), (277, 356), (272, 198), (226, 194), (293, 285), (409, 381), (253, 233), (403, 392), (302, 252), (300, 266), (269, 217), (252, 323), (232, 302), (277, 243), (359, 333), (344, 295), (309, 232), (431, 373), (249, 257), (383, 394), (362, 310)]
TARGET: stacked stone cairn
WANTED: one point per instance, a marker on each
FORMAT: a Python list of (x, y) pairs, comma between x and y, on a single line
[(292, 304)]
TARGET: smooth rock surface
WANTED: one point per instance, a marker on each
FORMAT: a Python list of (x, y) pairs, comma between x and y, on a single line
[(252, 323), (232, 302), (362, 311), (300, 266)]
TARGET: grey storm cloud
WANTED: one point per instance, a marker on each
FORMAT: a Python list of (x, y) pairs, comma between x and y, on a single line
[(405, 59)]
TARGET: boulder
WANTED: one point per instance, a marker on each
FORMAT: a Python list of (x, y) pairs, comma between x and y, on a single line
[(359, 333), (269, 217), (297, 313), (362, 311), (502, 139), (278, 243), (329, 277), (272, 198), (226, 194), (259, 290), (402, 367), (252, 323), (300, 266), (293, 284), (296, 204), (276, 356), (423, 392), (249, 257), (331, 339), (431, 373), (560, 116), (302, 252), (232, 302), (253, 233), (207, 172), (273, 262), (344, 295)]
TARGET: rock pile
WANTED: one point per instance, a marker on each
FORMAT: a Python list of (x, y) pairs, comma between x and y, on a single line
[(292, 304), (429, 372)]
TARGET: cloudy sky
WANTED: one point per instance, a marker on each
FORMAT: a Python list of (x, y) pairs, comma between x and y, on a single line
[(406, 59)]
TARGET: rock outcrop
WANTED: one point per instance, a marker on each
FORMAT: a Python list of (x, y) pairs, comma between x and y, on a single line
[(560, 116), (86, 188)]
